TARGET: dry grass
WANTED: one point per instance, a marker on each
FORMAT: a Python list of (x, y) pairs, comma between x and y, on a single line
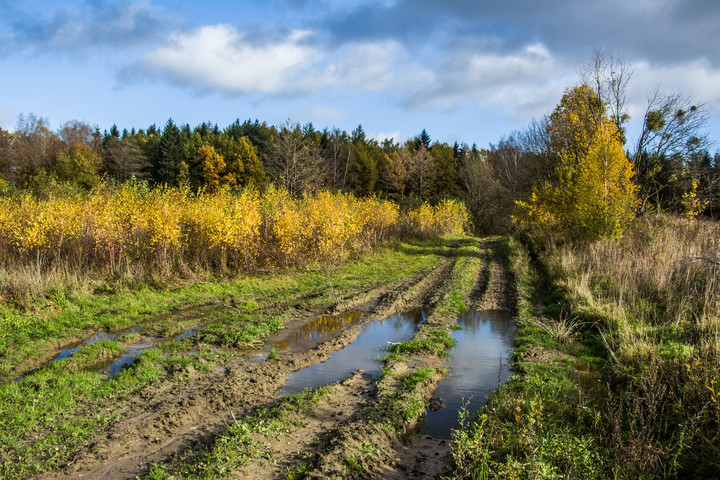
[(563, 331), (657, 291)]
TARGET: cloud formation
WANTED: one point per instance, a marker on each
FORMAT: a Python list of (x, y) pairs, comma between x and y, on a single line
[(219, 58), (656, 30)]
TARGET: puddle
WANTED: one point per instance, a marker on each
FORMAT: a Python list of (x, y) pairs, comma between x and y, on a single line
[(306, 335), (98, 337), (360, 354), (315, 329), (479, 362), (133, 351), (187, 333), (129, 355)]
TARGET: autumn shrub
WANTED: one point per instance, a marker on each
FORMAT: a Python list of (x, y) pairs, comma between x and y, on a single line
[(133, 230), (449, 217), (222, 227)]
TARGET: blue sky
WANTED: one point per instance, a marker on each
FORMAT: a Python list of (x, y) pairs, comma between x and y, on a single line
[(465, 70)]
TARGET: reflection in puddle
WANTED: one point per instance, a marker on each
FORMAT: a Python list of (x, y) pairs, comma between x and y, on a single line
[(317, 328), (305, 334), (128, 356), (98, 337), (479, 362), (133, 351), (359, 355)]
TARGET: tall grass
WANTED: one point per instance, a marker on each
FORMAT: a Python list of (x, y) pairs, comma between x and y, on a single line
[(655, 298), (135, 232)]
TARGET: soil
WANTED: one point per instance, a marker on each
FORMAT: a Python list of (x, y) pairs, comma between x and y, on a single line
[(186, 410)]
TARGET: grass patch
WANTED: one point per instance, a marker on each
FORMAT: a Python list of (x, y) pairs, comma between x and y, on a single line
[(437, 341)]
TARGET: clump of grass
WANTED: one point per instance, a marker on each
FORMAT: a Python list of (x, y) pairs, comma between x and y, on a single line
[(438, 341), (562, 331)]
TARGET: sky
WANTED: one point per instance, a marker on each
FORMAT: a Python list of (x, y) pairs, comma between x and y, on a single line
[(470, 71)]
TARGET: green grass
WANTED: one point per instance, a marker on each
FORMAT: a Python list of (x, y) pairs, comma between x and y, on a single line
[(542, 423), (55, 410)]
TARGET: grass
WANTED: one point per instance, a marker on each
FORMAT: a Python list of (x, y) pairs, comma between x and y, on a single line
[(30, 334), (242, 441), (645, 322)]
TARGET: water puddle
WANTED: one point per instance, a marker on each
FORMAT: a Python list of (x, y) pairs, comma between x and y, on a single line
[(133, 351), (479, 362), (360, 354), (305, 336), (129, 355), (98, 337), (315, 329)]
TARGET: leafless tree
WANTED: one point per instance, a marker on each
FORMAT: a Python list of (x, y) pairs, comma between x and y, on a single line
[(294, 163), (422, 172), (609, 75)]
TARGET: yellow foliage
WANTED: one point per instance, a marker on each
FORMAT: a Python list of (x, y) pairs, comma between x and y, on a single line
[(133, 225), (594, 197), (449, 217), (692, 205)]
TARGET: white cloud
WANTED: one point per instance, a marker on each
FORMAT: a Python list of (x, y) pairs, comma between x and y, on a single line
[(217, 57), (696, 78), (394, 136), (526, 82), (220, 58)]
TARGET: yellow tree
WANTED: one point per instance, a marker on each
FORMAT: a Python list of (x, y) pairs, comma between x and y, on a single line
[(593, 195), (245, 167), (213, 166)]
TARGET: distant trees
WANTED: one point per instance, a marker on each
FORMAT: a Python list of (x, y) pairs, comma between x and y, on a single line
[(294, 161), (672, 134)]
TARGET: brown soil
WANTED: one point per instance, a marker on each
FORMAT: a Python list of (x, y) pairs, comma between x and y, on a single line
[(187, 409), (497, 293)]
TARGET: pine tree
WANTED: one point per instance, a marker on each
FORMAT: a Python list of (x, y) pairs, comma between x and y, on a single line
[(169, 155)]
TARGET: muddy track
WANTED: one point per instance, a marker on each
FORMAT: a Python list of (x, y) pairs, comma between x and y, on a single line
[(414, 455), (494, 289), (188, 409)]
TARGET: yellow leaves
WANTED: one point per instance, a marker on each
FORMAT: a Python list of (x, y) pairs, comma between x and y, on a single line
[(692, 205), (594, 196), (449, 217), (135, 225), (213, 166)]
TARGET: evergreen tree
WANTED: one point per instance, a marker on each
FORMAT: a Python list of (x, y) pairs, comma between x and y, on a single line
[(170, 153), (423, 140)]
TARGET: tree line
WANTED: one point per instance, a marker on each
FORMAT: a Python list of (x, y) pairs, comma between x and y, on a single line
[(297, 157)]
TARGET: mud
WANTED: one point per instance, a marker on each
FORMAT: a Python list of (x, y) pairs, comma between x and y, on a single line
[(186, 410)]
